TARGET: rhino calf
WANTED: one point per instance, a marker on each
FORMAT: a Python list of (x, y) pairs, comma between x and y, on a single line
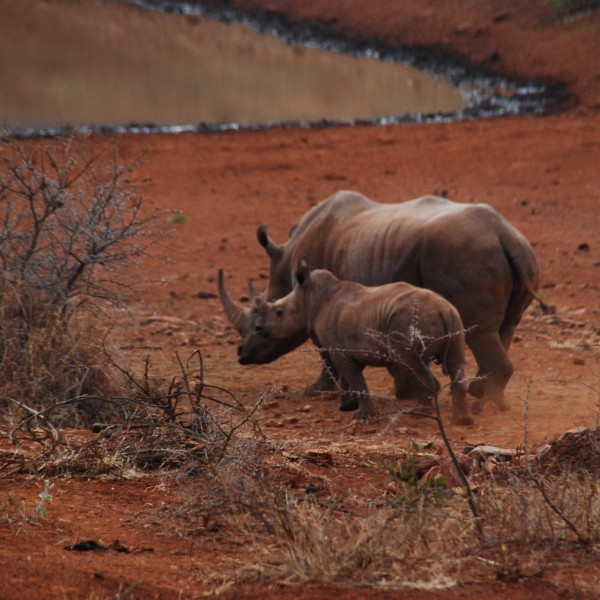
[(398, 326)]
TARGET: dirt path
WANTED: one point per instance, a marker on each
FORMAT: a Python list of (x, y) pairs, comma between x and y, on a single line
[(541, 173)]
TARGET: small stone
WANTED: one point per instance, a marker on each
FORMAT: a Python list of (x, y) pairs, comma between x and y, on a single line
[(205, 295), (579, 361), (306, 408)]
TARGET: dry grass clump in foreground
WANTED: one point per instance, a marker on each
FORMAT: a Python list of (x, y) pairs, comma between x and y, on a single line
[(413, 532), (416, 535)]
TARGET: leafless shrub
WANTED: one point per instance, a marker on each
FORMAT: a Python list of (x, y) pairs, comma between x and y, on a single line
[(175, 423), (528, 519), (72, 232)]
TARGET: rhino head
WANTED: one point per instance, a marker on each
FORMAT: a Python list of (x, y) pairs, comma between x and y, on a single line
[(268, 329)]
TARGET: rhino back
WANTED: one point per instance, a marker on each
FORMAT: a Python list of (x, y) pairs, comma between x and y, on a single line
[(476, 259), (369, 242), (365, 321), (464, 252)]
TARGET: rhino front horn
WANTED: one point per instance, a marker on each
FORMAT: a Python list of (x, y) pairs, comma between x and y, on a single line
[(236, 314)]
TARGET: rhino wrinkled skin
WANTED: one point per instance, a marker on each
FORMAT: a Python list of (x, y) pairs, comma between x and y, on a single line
[(397, 326), (467, 253)]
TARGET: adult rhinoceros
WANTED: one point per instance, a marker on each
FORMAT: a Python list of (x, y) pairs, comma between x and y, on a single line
[(467, 253)]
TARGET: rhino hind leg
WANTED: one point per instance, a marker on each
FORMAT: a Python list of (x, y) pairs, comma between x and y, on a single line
[(477, 387), (349, 400), (404, 385), (494, 364), (413, 379), (519, 301), (455, 369)]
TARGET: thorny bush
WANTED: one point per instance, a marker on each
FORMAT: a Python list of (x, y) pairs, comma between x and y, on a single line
[(73, 230)]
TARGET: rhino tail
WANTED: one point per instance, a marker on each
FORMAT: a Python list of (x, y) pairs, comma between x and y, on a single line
[(524, 265)]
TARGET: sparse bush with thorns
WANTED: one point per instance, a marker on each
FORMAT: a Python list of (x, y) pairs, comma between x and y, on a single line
[(72, 232)]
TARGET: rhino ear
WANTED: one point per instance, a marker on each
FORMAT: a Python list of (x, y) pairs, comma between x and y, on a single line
[(302, 273), (273, 249), (236, 314)]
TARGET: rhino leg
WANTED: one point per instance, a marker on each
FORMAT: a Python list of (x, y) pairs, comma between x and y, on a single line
[(355, 394), (404, 387), (454, 366), (507, 333), (495, 369), (477, 387), (413, 379), (327, 381), (519, 301)]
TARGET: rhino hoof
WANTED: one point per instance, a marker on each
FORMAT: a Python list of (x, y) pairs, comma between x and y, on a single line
[(465, 420), (477, 406), (502, 404), (349, 405)]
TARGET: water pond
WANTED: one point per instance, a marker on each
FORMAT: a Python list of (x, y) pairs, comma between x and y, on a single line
[(59, 66)]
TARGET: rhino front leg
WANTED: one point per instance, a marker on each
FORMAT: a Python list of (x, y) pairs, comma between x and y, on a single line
[(355, 394), (494, 367), (327, 381)]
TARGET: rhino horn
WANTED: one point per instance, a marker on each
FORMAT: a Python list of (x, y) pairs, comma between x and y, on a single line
[(273, 249), (236, 314)]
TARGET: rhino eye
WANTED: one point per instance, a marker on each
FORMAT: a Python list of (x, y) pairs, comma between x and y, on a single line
[(279, 312)]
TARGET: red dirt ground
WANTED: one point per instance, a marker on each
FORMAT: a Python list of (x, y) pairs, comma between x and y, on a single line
[(542, 173)]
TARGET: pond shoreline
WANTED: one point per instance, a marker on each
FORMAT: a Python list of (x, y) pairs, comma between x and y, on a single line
[(489, 95)]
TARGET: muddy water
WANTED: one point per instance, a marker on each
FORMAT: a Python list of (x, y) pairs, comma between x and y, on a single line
[(59, 66)]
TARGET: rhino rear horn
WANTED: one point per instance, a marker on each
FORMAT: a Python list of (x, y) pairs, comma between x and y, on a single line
[(236, 314), (273, 250)]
